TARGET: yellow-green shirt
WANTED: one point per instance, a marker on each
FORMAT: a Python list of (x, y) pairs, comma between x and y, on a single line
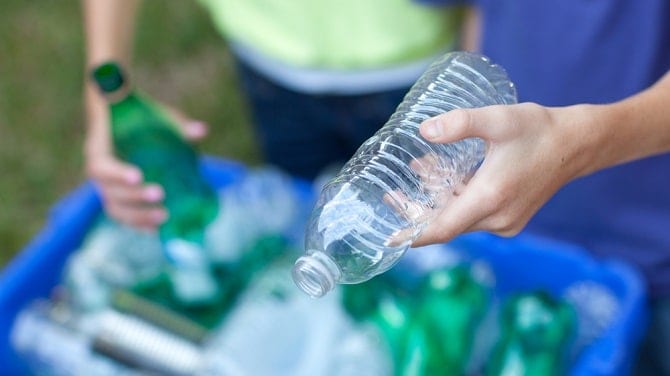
[(336, 34)]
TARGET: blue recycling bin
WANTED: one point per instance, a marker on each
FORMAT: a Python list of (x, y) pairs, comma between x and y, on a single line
[(519, 264)]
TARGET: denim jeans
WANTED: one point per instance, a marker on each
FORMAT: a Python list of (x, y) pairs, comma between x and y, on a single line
[(305, 133)]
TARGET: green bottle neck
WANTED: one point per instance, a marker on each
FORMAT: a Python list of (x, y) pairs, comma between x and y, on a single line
[(119, 95), (132, 111)]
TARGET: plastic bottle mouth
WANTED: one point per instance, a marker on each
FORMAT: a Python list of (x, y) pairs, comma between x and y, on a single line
[(315, 274)]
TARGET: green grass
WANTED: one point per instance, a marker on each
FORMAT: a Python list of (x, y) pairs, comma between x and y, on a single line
[(179, 59)]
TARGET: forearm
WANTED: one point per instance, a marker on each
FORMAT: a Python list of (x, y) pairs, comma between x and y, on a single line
[(471, 29), (108, 30), (634, 128)]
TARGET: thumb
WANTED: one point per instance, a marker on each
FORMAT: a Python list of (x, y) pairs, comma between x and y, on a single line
[(456, 125)]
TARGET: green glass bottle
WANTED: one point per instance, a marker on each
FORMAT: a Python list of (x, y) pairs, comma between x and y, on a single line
[(394, 318), (361, 301), (453, 304), (536, 331), (429, 328), (385, 304), (144, 135)]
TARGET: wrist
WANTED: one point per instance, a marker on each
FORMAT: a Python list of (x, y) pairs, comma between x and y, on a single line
[(606, 135), (580, 137)]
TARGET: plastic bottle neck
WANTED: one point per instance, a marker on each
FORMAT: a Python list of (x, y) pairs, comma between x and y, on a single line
[(316, 274)]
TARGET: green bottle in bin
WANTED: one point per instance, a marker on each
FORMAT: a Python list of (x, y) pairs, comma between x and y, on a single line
[(536, 331), (145, 135), (394, 318), (429, 329), (362, 301), (383, 303), (452, 306), (420, 356)]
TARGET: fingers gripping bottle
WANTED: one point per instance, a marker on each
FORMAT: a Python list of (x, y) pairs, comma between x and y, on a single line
[(144, 135), (368, 215)]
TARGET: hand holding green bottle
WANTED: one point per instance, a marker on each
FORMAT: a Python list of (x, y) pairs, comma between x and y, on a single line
[(127, 196)]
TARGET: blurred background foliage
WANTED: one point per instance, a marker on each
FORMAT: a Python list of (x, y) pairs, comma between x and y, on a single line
[(179, 59)]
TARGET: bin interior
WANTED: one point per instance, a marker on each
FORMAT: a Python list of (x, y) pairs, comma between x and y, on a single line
[(517, 263)]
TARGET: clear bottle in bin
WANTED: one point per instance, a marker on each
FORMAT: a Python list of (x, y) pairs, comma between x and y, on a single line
[(46, 338), (112, 256), (368, 215), (55, 340), (263, 202), (276, 330)]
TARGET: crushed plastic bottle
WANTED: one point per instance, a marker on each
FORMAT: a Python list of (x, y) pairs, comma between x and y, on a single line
[(112, 256), (263, 202), (50, 341), (596, 307), (369, 214), (275, 330)]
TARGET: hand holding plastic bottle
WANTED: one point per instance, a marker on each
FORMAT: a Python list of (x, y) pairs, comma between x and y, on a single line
[(397, 182), (529, 157), (532, 151)]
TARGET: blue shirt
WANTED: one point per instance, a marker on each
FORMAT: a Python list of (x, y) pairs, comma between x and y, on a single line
[(564, 52)]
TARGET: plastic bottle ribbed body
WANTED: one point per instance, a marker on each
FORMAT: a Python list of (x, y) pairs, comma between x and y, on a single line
[(369, 214)]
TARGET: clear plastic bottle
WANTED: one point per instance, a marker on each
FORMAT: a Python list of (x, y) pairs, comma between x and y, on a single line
[(263, 202), (276, 330), (55, 340), (369, 214), (112, 256)]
